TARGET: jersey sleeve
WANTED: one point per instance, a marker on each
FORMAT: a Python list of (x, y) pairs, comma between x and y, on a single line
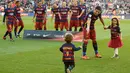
[(35, 10), (89, 15), (118, 30), (4, 15), (76, 48), (61, 49)]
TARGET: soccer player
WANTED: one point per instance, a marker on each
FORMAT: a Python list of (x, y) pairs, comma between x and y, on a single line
[(91, 32), (10, 17), (68, 53), (56, 12), (82, 18), (75, 14), (45, 21), (40, 16), (64, 11), (18, 16)]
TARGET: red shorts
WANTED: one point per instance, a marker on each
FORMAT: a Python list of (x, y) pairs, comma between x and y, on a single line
[(9, 25), (38, 25), (74, 23), (15, 23), (57, 23), (64, 24), (91, 35), (19, 23)]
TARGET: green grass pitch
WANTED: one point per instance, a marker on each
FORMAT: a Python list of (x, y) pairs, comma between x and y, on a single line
[(42, 56)]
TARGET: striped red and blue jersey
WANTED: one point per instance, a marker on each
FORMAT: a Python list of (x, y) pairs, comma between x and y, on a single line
[(64, 14), (83, 6), (40, 13), (115, 31), (10, 14), (93, 19), (17, 12), (75, 12), (68, 52), (56, 12)]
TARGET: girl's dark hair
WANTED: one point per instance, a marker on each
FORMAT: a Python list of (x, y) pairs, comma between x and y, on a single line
[(99, 8), (9, 2), (116, 20), (68, 38)]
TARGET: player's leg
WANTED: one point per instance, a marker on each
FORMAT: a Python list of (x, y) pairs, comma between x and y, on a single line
[(71, 25), (66, 25), (21, 24), (85, 43), (80, 25), (15, 28), (57, 25), (36, 25), (94, 42), (61, 26), (4, 37), (45, 25), (10, 27), (40, 25), (76, 23)]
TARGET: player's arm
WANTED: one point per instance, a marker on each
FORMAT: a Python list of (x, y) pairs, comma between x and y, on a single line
[(34, 16), (4, 17), (61, 49), (15, 15), (88, 21), (70, 14), (53, 14), (102, 21), (109, 27), (52, 17), (59, 15), (82, 11), (45, 16), (76, 48)]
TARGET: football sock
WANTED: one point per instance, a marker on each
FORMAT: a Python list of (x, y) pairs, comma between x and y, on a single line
[(95, 48), (20, 30), (116, 51), (6, 33), (10, 35), (15, 31), (84, 49)]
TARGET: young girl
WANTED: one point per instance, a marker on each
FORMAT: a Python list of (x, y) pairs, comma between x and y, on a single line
[(68, 53), (116, 38)]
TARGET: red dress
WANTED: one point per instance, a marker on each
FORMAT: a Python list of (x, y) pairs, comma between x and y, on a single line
[(115, 41)]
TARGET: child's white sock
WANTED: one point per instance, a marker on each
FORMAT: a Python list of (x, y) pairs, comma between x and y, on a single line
[(116, 51)]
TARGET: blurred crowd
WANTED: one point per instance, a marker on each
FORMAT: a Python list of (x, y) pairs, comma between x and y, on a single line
[(111, 7)]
